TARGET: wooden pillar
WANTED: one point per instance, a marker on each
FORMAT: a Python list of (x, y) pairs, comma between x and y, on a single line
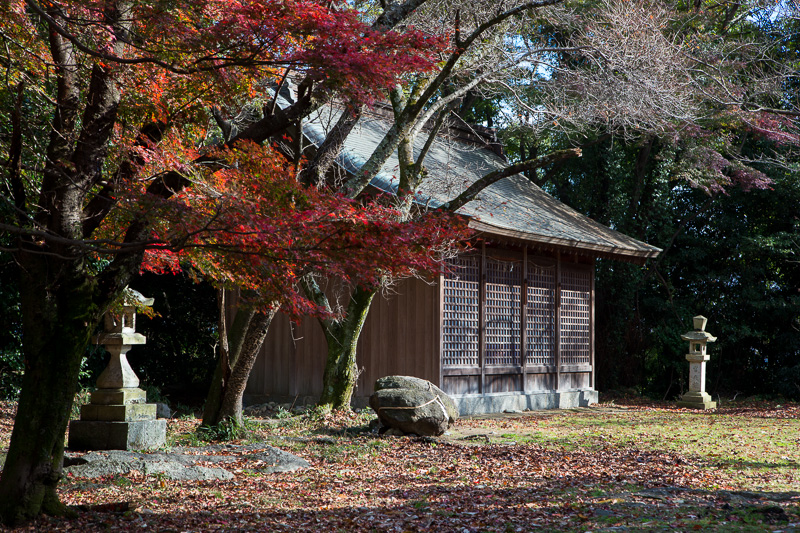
[(558, 321), (441, 330)]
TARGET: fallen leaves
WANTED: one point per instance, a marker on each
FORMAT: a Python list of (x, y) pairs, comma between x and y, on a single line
[(563, 480)]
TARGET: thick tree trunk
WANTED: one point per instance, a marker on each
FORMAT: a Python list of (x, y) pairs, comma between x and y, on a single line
[(341, 370), (239, 347), (57, 327), (314, 173), (231, 406)]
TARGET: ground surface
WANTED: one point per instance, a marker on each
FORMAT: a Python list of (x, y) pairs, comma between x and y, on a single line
[(629, 466)]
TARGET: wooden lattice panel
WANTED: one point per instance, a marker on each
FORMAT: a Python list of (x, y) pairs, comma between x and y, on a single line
[(503, 289), (541, 324), (575, 312), (460, 318)]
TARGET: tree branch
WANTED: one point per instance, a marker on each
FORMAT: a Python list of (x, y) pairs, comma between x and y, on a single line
[(317, 295), (444, 74), (492, 177), (314, 173), (395, 14), (16, 187), (419, 111), (215, 62), (102, 203), (63, 124)]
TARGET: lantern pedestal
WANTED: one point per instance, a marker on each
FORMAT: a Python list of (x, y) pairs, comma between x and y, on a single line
[(697, 397), (697, 400), (118, 417)]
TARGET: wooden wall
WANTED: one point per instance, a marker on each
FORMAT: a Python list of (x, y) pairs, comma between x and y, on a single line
[(481, 351), (400, 336)]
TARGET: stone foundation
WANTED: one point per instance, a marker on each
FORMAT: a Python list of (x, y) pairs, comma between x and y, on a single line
[(517, 402), (696, 400), (130, 424), (473, 404), (128, 435)]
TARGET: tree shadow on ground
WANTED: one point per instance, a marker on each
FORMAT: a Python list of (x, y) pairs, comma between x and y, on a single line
[(469, 509)]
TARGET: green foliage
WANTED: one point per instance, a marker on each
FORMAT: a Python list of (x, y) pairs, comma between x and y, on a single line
[(283, 413), (11, 367), (179, 356), (82, 397), (731, 257), (11, 359), (94, 362), (226, 430), (787, 382)]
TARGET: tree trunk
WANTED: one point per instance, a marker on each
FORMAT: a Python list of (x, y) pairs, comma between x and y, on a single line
[(239, 347), (57, 327), (314, 173), (231, 407), (341, 370)]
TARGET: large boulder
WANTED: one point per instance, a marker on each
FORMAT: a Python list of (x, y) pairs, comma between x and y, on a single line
[(410, 382), (413, 405)]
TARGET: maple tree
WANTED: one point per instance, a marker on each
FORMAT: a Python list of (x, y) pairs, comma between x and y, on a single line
[(574, 71), (106, 117), (243, 335)]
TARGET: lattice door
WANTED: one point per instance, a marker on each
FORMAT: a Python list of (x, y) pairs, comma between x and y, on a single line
[(541, 324), (575, 310), (503, 288), (460, 319)]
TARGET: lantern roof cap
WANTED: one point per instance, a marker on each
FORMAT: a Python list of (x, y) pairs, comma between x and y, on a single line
[(134, 298), (698, 336)]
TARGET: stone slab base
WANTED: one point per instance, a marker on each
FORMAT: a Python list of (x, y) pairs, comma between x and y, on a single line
[(696, 400), (119, 413), (470, 404), (517, 402), (135, 435), (118, 396)]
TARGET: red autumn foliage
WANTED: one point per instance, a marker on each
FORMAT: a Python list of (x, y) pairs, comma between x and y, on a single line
[(250, 222), (254, 225)]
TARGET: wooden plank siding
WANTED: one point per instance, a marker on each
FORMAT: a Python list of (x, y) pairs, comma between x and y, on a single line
[(400, 336), (503, 320)]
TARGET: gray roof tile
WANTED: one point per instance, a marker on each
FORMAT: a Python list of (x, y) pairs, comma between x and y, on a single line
[(512, 207)]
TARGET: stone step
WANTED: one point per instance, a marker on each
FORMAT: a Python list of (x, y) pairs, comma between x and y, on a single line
[(136, 435), (118, 396), (119, 413)]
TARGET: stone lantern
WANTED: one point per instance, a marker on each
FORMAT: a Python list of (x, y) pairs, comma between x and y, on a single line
[(697, 397), (118, 417)]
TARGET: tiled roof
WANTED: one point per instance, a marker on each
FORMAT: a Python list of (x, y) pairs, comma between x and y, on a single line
[(513, 207)]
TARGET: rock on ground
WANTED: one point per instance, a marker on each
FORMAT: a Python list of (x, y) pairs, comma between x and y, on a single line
[(182, 463), (412, 405), (410, 382)]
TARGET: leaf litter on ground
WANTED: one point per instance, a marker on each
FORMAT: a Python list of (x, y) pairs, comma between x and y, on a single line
[(632, 466)]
